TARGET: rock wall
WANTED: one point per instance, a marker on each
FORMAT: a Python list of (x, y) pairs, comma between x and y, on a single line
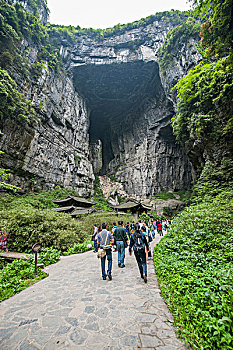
[(109, 103), (131, 106)]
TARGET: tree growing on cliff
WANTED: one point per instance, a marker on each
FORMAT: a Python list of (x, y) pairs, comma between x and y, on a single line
[(217, 31), (3, 176)]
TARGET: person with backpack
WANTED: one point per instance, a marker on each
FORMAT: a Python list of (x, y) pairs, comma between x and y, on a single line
[(139, 244)]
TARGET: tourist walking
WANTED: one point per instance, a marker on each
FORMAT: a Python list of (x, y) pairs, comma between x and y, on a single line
[(113, 230), (122, 242), (160, 229), (140, 246), (105, 238), (152, 229), (93, 237)]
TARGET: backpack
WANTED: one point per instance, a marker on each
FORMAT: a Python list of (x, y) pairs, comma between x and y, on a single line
[(139, 245)]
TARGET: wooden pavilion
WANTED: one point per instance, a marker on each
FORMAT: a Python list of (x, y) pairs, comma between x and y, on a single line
[(74, 205), (132, 205)]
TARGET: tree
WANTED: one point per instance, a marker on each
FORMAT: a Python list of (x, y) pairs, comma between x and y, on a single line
[(4, 175), (217, 31)]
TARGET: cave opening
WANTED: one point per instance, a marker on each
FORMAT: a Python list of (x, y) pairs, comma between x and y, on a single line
[(114, 92)]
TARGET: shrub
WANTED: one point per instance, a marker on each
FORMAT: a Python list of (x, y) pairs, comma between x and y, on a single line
[(17, 276), (164, 195), (41, 200), (48, 256), (78, 248), (194, 267), (28, 226), (86, 222), (144, 216)]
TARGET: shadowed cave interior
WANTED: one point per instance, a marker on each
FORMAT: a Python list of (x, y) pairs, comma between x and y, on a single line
[(112, 92)]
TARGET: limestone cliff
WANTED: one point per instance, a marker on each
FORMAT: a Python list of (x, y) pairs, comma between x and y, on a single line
[(107, 110)]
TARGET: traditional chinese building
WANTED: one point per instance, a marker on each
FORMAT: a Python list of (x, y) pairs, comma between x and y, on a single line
[(74, 205), (133, 206)]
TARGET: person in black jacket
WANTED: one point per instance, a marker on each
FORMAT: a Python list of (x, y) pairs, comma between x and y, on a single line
[(121, 239), (139, 244)]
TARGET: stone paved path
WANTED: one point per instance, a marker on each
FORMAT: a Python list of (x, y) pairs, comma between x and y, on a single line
[(75, 309)]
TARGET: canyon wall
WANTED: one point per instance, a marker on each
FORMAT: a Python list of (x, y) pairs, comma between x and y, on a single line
[(108, 112)]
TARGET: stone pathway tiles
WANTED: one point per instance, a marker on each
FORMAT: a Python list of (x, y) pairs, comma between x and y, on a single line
[(75, 309)]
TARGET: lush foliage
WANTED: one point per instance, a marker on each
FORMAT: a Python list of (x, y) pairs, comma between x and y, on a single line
[(203, 122), (4, 175), (48, 256), (144, 217), (28, 226), (78, 248), (13, 104), (40, 200), (165, 195), (202, 93), (195, 269), (71, 33), (19, 274), (214, 179), (34, 5), (99, 197), (217, 31), (189, 29), (86, 222), (28, 219), (17, 23)]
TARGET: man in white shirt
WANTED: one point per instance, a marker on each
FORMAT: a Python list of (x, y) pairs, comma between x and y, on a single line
[(105, 238)]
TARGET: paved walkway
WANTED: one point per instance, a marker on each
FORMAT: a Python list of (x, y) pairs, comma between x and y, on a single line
[(75, 309)]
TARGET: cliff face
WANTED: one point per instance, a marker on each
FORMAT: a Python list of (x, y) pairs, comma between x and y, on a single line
[(109, 111), (131, 107)]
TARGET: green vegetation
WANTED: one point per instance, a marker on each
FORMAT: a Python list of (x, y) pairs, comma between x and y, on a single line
[(40, 200), (144, 216), (217, 30), (71, 33), (13, 104), (78, 248), (28, 225), (28, 219), (99, 197), (204, 91), (164, 195), (17, 23), (194, 261), (184, 195), (175, 39), (86, 222), (194, 266), (4, 175), (19, 274)]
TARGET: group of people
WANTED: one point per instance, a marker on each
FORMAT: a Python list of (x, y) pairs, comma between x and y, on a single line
[(136, 237)]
